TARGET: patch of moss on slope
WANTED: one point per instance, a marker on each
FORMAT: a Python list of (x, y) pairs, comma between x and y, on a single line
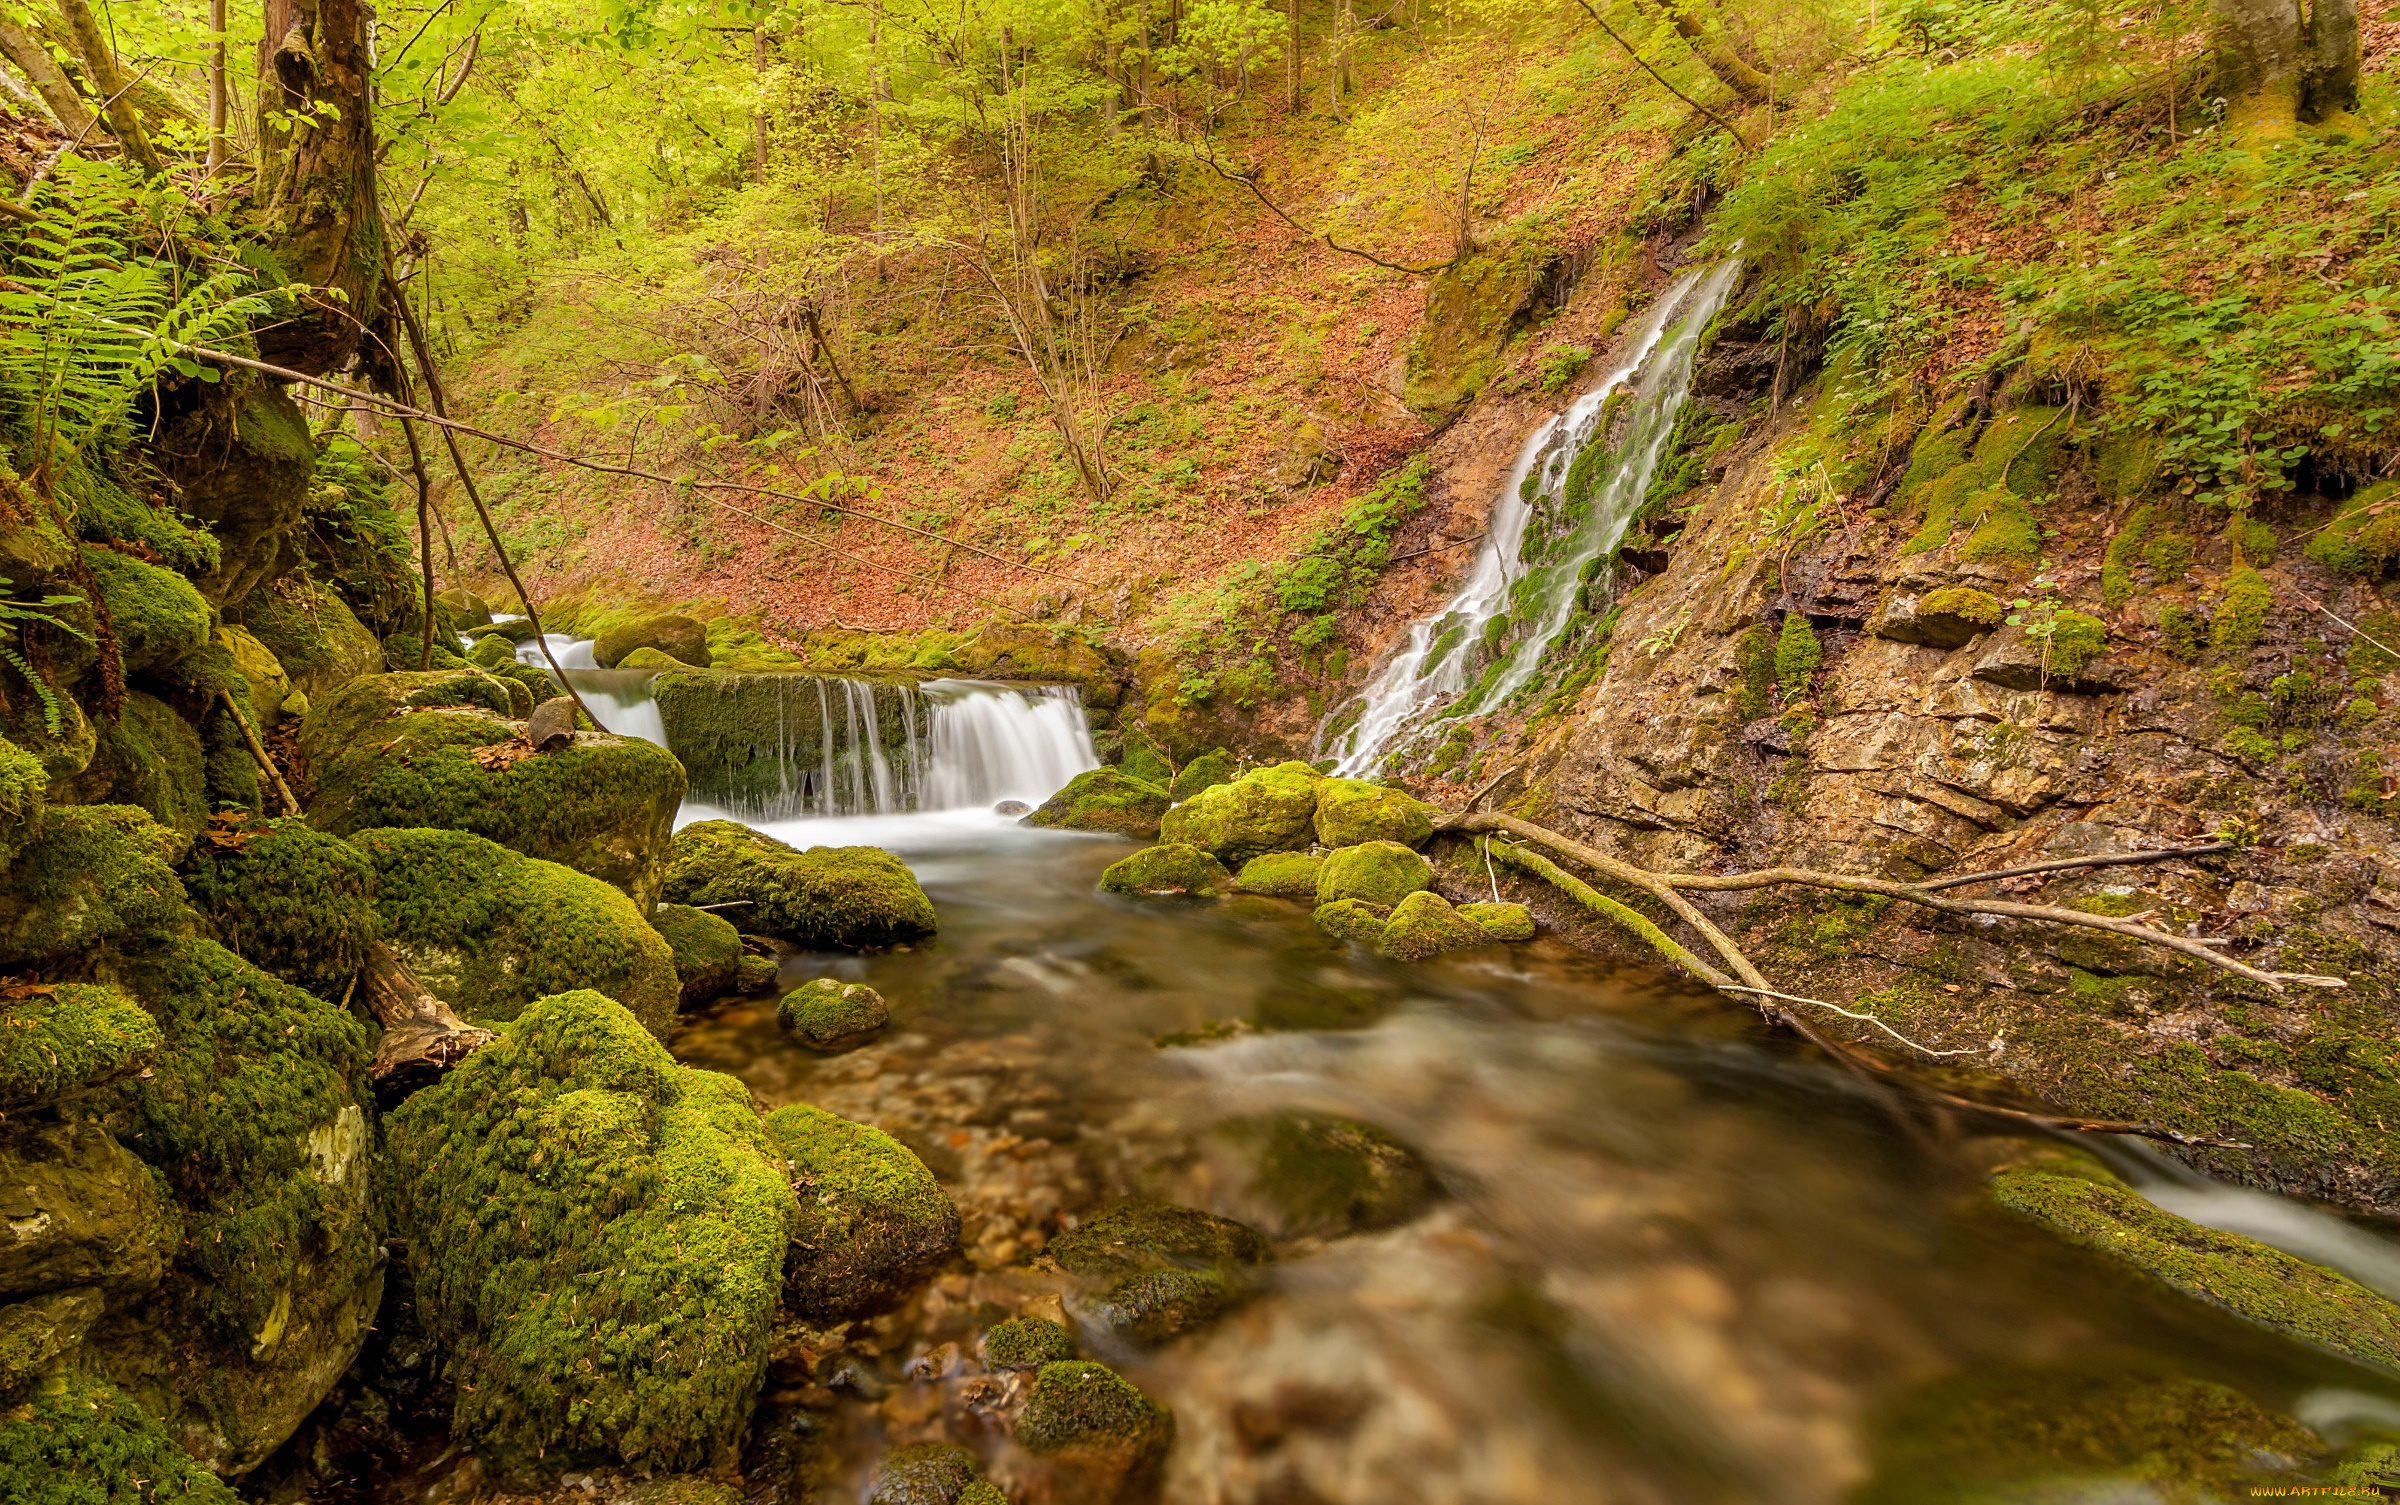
[(291, 898), (23, 784), (620, 1311)]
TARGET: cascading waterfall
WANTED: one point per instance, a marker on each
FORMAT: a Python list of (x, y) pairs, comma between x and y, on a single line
[(619, 699), (1442, 665)]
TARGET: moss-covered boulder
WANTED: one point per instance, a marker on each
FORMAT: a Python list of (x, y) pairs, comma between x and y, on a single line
[(148, 757), (489, 931), (61, 1040), (270, 684), (1104, 1437), (677, 637), (823, 899), (1381, 873), (84, 1442), (1951, 617), (755, 973), (1281, 875), (23, 782), (1103, 799), (1323, 1176), (256, 1116), (653, 658), (873, 1221), (604, 805), (467, 609), (1352, 920), (1025, 1343), (707, 950), (39, 1335), (1499, 920), (315, 637), (620, 1311), (1423, 925), (1351, 811), (1151, 1270), (1153, 872), (826, 1013), (927, 1473), (1265, 810), (339, 721), (91, 874), (1206, 771), (156, 615), (288, 897)]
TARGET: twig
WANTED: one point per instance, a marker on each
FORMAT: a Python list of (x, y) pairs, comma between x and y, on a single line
[(1864, 1018), (1597, 20), (258, 750), (1249, 180), (2355, 629), (1433, 549), (2113, 859)]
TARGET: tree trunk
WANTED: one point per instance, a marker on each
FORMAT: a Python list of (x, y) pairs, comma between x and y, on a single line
[(124, 122), (48, 79), (2330, 87), (1747, 83), (1291, 57), (317, 177), (216, 88), (2258, 64), (421, 1037), (758, 114)]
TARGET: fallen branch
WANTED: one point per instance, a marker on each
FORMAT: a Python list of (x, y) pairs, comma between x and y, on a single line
[(1718, 120), (2062, 864), (258, 751), (1249, 180), (1975, 1050), (421, 1037)]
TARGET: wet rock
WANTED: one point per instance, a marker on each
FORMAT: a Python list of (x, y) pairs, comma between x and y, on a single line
[(92, 873), (1155, 1269), (287, 897), (37, 1336), (1105, 1439), (1351, 811), (1175, 868), (824, 899), (1951, 617), (873, 1221), (622, 1312), (1328, 1176), (84, 1442), (1025, 1343), (707, 950), (1281, 875), (1352, 920), (1012, 808), (488, 931), (1381, 873), (552, 725), (78, 1210), (756, 973), (1501, 921), (1266, 810), (1206, 771), (1104, 799), (1423, 925), (678, 637), (61, 1041), (929, 1473), (826, 1013)]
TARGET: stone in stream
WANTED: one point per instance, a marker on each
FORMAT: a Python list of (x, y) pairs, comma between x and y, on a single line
[(1350, 811), (1352, 920), (826, 1013), (1423, 925), (1104, 799), (873, 1221), (678, 637), (1265, 810), (756, 972), (1154, 1269), (708, 951), (928, 1473), (552, 725), (1206, 771), (1500, 920), (1381, 873), (621, 1310), (1166, 870), (1280, 875), (1025, 1343), (1013, 809), (823, 899), (1104, 1440), (1326, 1177), (288, 897)]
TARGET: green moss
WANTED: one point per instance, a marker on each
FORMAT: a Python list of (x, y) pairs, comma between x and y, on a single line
[(1104, 799), (92, 873), (23, 781), (67, 1038), (678, 637), (2364, 538), (2021, 449), (1941, 447), (2227, 1270), (288, 897), (620, 1310), (706, 947), (313, 634), (1380, 873), (158, 618), (2124, 550), (830, 1014), (2005, 530), (489, 931), (740, 736), (2182, 631), (85, 1443), (1351, 811), (2075, 641), (755, 974), (149, 757), (1974, 607), (339, 722), (873, 1221), (1351, 920), (927, 1473), (1500, 921), (1026, 1343), (1206, 771), (1075, 1406), (1168, 869), (1329, 1176), (1754, 660), (2242, 615), (2123, 464), (1265, 810), (1153, 1270), (982, 1492), (1423, 925), (1798, 655), (1943, 499), (827, 898), (1282, 875)]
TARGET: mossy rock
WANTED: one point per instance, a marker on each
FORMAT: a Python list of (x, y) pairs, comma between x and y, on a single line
[(2241, 617), (873, 1221), (707, 950), (149, 757), (2226, 1270), (1501, 921), (38, 1336), (1423, 925), (84, 1442), (491, 651), (85, 1212), (63, 751), (467, 609), (679, 638), (823, 899), (313, 634), (655, 659), (270, 686), (23, 783), (1166, 870), (1328, 1177), (1281, 875), (91, 874), (1352, 920), (1206, 771), (257, 1115), (1265, 810), (157, 616), (1352, 811), (1026, 1343), (1951, 617), (1109, 1437), (620, 1312), (927, 1473), (1380, 873), (826, 1013), (982, 1492), (490, 932), (288, 897), (65, 1039), (1103, 799), (604, 806), (1153, 1270), (755, 974), (339, 722), (742, 737)]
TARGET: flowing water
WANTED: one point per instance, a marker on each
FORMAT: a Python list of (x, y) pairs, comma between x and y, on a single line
[(1521, 592)]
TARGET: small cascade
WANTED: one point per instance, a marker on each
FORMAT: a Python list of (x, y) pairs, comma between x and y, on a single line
[(1541, 539), (620, 699)]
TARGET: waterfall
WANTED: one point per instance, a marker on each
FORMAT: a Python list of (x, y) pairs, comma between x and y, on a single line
[(619, 699), (1533, 585)]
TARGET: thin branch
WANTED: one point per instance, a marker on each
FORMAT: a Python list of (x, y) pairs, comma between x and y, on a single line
[(1719, 120), (1866, 1019), (1250, 179), (2355, 629), (2112, 859)]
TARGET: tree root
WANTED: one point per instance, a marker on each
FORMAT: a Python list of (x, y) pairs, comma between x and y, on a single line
[(421, 1037)]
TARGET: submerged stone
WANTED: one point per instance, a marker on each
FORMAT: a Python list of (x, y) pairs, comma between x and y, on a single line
[(707, 949), (1154, 1269), (1280, 875), (1381, 873), (58, 1041), (91, 874), (1352, 920), (1104, 799), (1165, 870), (1107, 1436), (1328, 1176), (756, 974), (489, 931), (1425, 925), (929, 1473), (826, 1013), (620, 1313), (1351, 811), (678, 637), (873, 1221), (1265, 810), (288, 897), (823, 899), (1026, 1343), (84, 1442), (1501, 921)]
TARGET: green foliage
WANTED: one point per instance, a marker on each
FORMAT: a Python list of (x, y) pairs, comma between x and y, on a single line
[(1798, 655)]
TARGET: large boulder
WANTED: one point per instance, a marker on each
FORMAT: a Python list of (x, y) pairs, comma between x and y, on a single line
[(707, 950), (1281, 875), (823, 899), (679, 638), (1103, 799), (61, 1040), (92, 874), (157, 617), (603, 805), (873, 1221), (319, 642), (1151, 1270), (84, 1442), (1381, 873), (1206, 771), (489, 931), (1350, 811), (1265, 810), (620, 1311), (287, 897), (80, 1211)]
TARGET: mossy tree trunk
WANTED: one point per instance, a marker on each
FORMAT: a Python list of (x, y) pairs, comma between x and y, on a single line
[(2275, 67), (317, 176), (1748, 84), (48, 79), (2329, 86)]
